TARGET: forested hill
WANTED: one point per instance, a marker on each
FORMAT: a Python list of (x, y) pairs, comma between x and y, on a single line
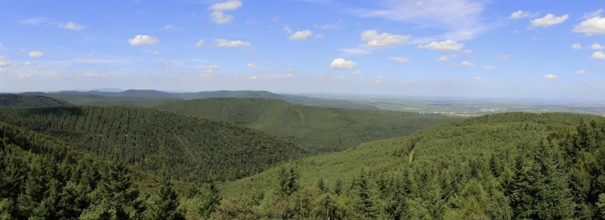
[(503, 166), (149, 97), (315, 128), (188, 148), (28, 101)]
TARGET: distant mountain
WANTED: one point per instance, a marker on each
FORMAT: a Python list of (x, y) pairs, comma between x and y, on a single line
[(153, 96), (187, 148), (314, 128), (28, 101)]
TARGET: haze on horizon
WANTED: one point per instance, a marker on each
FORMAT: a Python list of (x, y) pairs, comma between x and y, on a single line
[(453, 48)]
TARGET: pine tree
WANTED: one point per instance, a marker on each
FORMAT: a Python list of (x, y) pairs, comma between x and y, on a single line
[(167, 202)]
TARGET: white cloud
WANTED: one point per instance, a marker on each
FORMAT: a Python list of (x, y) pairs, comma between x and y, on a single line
[(582, 72), (488, 67), (200, 43), (35, 21), (597, 46), (467, 64), (576, 46), (354, 51), (288, 30), (504, 57), (35, 54), (549, 20), (335, 26), (357, 73), (4, 61), (155, 52), (209, 71), (448, 45), (478, 77), (591, 26), (217, 14), (71, 26), (301, 35), (89, 55), (593, 14), (550, 76), (29, 64), (468, 51), (400, 59), (520, 14), (445, 58), (599, 55), (141, 40), (374, 39), (231, 43), (340, 63), (461, 19), (252, 66)]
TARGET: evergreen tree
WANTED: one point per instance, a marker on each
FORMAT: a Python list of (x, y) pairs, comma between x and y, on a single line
[(167, 202)]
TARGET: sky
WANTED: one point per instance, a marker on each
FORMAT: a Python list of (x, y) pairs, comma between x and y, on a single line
[(449, 48)]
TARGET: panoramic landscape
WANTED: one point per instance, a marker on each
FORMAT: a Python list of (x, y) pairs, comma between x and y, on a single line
[(302, 109)]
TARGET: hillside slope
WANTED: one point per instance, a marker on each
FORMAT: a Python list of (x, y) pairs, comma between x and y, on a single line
[(187, 148), (314, 128), (28, 101), (513, 165), (148, 97)]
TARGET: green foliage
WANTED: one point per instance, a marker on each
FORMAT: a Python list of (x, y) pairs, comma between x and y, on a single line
[(506, 166), (314, 128), (166, 203), (13, 101), (187, 148)]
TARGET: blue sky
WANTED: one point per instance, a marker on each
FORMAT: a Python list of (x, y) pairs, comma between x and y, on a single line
[(465, 48)]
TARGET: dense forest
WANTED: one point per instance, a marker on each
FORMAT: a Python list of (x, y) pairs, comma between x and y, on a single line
[(506, 166), (77, 162), (153, 97), (187, 148), (28, 101), (313, 128)]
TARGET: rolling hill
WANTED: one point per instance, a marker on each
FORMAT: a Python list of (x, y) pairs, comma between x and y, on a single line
[(151, 97), (513, 165), (28, 101), (314, 128), (188, 148)]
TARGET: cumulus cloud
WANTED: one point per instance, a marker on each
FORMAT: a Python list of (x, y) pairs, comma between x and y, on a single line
[(252, 66), (445, 58), (35, 54), (400, 59), (599, 55), (354, 51), (374, 39), (200, 43), (209, 71), (576, 46), (488, 67), (141, 40), (448, 45), (550, 76), (301, 35), (582, 72), (231, 43), (591, 26), (549, 20), (467, 64), (520, 14), (340, 63), (218, 16), (71, 26), (597, 46)]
